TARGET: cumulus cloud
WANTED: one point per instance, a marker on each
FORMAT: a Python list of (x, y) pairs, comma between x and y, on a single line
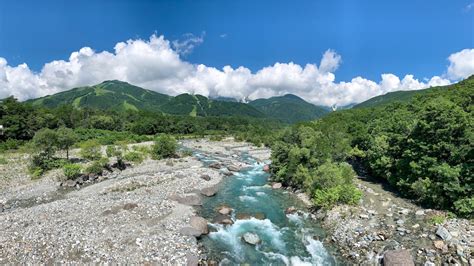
[(187, 43), (157, 64), (461, 64)]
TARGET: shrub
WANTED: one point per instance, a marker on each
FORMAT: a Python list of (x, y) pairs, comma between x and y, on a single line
[(90, 150), (465, 207), (216, 138), (72, 171), (134, 156), (97, 167), (165, 146), (437, 219)]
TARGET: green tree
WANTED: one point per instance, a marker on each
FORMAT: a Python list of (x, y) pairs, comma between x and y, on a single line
[(65, 139)]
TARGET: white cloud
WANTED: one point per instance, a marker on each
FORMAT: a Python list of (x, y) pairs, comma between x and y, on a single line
[(461, 64), (156, 64), (187, 43)]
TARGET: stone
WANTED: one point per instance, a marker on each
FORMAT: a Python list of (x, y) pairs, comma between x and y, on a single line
[(276, 185), (420, 213), (415, 226), (233, 168), (190, 231), (404, 211), (251, 238), (130, 206), (398, 258), (290, 210), (439, 244), (371, 212), (192, 260), (215, 165), (266, 168), (69, 183), (443, 233), (224, 210), (1, 207), (205, 177), (400, 222), (200, 224), (429, 263), (188, 199), (209, 191), (227, 221), (363, 216)]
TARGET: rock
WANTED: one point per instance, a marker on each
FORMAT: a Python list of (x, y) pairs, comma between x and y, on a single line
[(251, 238), (227, 221), (400, 222), (224, 210), (290, 210), (215, 165), (454, 234), (69, 183), (429, 263), (243, 216), (190, 231), (209, 191), (415, 226), (259, 216), (130, 206), (363, 216), (169, 163), (276, 185), (439, 244), (420, 213), (471, 262), (206, 177), (443, 233), (371, 212), (233, 168), (404, 211), (200, 224), (192, 260), (1, 207), (266, 168), (398, 258), (188, 199)]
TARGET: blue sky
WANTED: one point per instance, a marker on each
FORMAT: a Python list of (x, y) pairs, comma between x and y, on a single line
[(372, 37)]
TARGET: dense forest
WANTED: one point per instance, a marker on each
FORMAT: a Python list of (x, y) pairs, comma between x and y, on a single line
[(423, 147)]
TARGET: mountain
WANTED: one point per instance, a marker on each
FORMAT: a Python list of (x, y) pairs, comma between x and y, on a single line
[(406, 96), (120, 96), (113, 95), (289, 108)]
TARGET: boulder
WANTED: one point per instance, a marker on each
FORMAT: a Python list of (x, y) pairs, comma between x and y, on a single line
[(290, 210), (206, 177), (233, 168), (69, 183), (251, 238), (215, 165), (209, 191), (276, 185), (266, 168), (188, 199), (443, 233), (200, 224), (190, 231), (224, 210), (192, 260), (398, 258), (227, 221)]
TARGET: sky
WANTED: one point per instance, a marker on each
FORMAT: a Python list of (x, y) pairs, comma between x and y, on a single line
[(330, 53)]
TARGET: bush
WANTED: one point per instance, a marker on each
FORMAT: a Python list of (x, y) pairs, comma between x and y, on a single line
[(134, 156), (72, 171), (97, 167), (10, 144), (165, 146), (91, 150)]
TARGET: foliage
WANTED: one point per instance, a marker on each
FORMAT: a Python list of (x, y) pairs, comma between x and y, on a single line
[(97, 167), (72, 171), (134, 156), (165, 146), (65, 139), (3, 160), (91, 150)]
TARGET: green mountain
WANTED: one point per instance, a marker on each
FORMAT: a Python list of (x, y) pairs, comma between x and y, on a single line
[(406, 96), (120, 96), (289, 108)]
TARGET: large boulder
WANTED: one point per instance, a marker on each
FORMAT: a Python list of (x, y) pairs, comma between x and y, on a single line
[(277, 185), (206, 177), (187, 199), (233, 168), (209, 191), (200, 224), (401, 257), (190, 231), (251, 238)]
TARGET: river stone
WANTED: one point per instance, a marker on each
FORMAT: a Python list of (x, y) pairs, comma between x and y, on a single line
[(130, 206), (439, 244), (290, 210), (227, 221), (251, 238), (443, 233), (192, 260), (224, 210), (206, 177), (215, 165), (209, 191), (266, 168), (420, 212), (233, 168), (277, 185), (398, 258), (188, 199), (200, 224), (190, 231)]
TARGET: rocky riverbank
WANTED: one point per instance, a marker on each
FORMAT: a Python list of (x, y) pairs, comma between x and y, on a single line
[(138, 215), (387, 226)]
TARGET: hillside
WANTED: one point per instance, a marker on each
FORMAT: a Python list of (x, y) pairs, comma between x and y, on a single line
[(121, 96), (108, 95), (406, 96), (289, 108)]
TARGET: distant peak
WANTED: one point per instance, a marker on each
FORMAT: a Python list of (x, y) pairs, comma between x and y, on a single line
[(291, 96)]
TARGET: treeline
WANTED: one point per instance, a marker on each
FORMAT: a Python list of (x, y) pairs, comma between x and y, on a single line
[(21, 121), (424, 148)]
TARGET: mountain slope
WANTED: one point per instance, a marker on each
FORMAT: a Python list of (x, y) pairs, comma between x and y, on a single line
[(289, 108), (121, 96), (406, 96), (108, 95)]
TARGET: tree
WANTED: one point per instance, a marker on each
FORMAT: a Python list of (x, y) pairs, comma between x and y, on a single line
[(66, 138), (165, 146), (47, 140)]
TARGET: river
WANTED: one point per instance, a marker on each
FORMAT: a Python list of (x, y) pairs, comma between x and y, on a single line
[(286, 239)]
